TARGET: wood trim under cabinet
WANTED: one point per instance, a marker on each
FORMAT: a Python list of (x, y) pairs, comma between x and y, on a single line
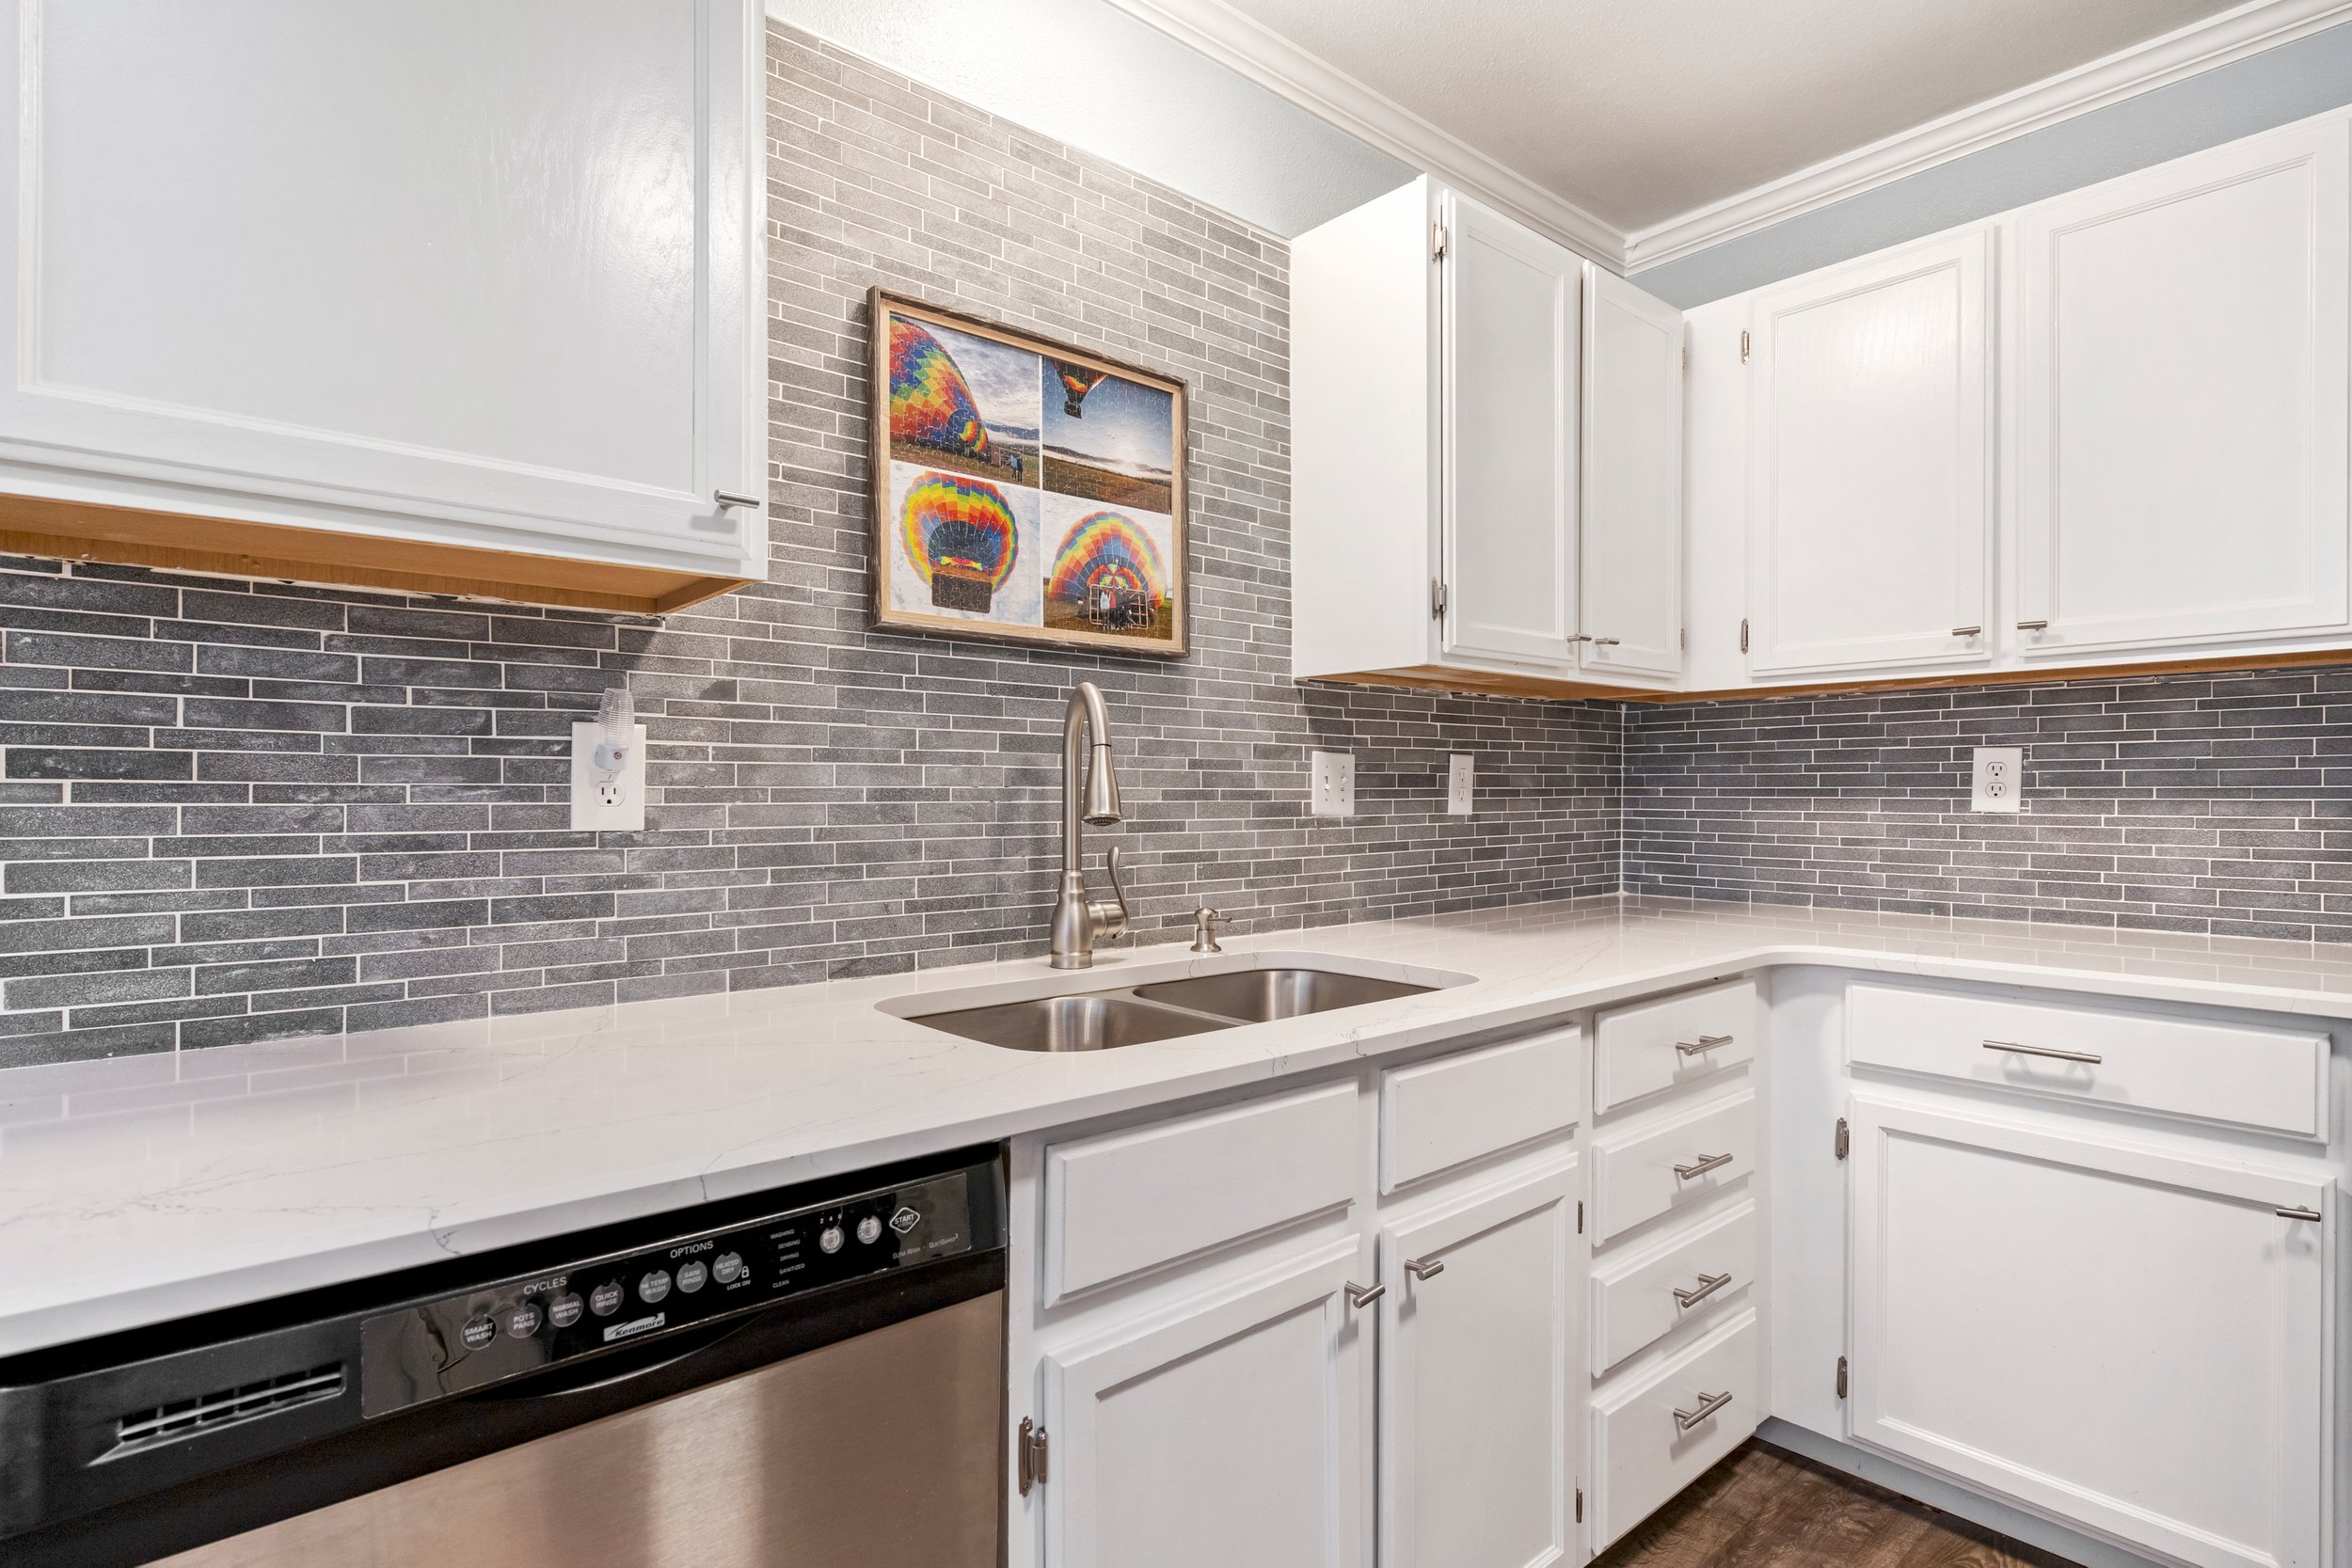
[(121, 535), (1491, 683)]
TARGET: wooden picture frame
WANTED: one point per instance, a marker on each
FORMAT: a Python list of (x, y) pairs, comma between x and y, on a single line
[(1000, 517)]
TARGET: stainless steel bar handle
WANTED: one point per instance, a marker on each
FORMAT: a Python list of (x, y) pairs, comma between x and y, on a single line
[(1708, 1285), (1709, 1404), (1365, 1296), (2033, 625), (1968, 631), (1705, 1042), (1700, 1167), (2298, 1213), (732, 497), (2051, 1052), (1424, 1268), (1604, 642)]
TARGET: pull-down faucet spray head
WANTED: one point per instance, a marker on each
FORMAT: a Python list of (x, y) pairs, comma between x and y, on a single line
[(1101, 807)]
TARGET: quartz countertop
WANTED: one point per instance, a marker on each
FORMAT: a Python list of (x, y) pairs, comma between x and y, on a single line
[(145, 1188)]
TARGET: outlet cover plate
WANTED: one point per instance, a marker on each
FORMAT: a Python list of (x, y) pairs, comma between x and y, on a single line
[(1997, 781), (1459, 777), (1332, 784), (589, 809)]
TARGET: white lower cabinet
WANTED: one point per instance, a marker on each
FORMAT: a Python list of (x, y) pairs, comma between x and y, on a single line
[(2127, 1339), (1656, 1432), (1478, 1355), (1236, 1432)]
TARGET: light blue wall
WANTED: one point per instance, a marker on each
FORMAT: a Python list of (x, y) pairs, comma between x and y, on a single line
[(1088, 73), (2253, 94)]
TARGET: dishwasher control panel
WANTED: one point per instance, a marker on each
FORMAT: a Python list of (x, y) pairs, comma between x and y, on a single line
[(435, 1349)]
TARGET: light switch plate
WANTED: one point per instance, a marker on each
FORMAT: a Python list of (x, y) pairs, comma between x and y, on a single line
[(599, 801), (1997, 781), (1332, 784), (1458, 776)]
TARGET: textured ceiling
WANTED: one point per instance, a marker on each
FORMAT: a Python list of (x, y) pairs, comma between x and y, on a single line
[(1641, 110)]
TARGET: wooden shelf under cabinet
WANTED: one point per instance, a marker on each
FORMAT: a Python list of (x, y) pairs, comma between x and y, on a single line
[(230, 546)]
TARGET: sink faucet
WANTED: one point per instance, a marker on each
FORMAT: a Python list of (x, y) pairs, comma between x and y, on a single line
[(1080, 922)]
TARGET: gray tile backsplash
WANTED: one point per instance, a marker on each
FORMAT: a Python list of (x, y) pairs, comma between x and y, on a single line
[(235, 811), (2213, 803)]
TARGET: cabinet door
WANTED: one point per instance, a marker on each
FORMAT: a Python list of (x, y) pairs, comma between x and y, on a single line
[(2132, 1340), (1509, 329), (2181, 368), (1235, 1432), (479, 275), (1870, 489), (1632, 471), (1479, 1351)]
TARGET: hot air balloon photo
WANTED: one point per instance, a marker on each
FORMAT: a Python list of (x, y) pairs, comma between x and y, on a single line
[(960, 402), (1023, 489), (1109, 576)]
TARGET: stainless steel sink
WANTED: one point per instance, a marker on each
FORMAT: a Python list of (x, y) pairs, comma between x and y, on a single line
[(1163, 1009), (1097, 1021), (1258, 995)]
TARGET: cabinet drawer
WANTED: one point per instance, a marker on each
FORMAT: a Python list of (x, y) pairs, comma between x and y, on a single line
[(1679, 1039), (2238, 1073), (1641, 1173), (1434, 1116), (1122, 1202), (1645, 1452), (1635, 1302)]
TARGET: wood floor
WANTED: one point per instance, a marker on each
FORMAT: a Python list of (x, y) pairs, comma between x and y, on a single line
[(1768, 1508)]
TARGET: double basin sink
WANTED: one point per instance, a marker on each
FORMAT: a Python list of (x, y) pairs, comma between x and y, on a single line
[(1165, 1010)]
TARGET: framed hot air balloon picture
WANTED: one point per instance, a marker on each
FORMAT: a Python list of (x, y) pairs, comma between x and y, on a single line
[(1024, 488)]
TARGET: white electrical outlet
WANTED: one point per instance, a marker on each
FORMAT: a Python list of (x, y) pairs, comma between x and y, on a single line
[(1997, 782), (1332, 784), (606, 801), (1458, 784)]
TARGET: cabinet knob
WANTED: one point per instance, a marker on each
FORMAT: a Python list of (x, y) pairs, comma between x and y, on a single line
[(729, 498)]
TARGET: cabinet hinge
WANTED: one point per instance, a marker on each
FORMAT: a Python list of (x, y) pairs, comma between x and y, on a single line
[(1030, 1454), (1743, 345), (1437, 242), (1682, 639), (1437, 599), (1845, 1137), (1743, 634), (1841, 1377), (1580, 1505), (1580, 1216)]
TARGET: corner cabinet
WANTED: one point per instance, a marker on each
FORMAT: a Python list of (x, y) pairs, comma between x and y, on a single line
[(517, 349), (1487, 452), (1871, 505)]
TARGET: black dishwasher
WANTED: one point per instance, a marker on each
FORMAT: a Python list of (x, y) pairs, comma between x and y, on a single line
[(810, 1377)]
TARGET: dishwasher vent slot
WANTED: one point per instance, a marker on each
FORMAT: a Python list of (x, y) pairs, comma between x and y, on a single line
[(165, 1423)]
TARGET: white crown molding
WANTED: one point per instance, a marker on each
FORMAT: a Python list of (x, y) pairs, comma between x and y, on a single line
[(2216, 41), (1272, 61)]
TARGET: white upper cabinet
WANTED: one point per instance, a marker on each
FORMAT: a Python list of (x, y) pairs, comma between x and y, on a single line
[(1453, 373), (2181, 401), (1512, 319), (1869, 478), (479, 276), (1632, 472)]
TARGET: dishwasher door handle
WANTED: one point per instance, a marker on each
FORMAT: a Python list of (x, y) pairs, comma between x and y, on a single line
[(605, 1371)]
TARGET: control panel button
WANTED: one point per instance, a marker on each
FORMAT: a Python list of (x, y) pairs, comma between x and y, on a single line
[(564, 1310), (478, 1332), (727, 1267), (524, 1321), (905, 1220), (692, 1275), (829, 1239), (605, 1299), (870, 1230), (654, 1287)]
